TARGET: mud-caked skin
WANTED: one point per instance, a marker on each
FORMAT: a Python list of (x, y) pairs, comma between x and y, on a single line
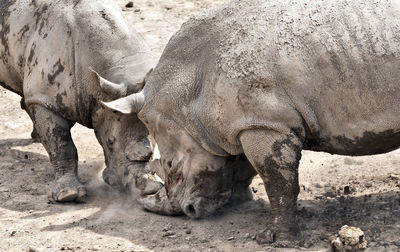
[(63, 58), (267, 79)]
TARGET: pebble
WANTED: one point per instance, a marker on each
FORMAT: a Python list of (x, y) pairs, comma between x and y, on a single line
[(168, 233), (33, 249), (348, 239), (368, 184), (346, 190), (188, 231), (129, 4), (167, 228), (318, 185), (231, 238), (247, 236)]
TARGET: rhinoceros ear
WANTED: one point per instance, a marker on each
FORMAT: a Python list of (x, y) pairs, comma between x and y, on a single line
[(130, 104), (118, 90)]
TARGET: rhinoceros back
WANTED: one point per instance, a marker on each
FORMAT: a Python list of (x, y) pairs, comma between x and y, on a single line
[(337, 62), (51, 45)]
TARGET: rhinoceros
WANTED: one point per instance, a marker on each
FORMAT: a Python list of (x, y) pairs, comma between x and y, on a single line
[(63, 58), (268, 79)]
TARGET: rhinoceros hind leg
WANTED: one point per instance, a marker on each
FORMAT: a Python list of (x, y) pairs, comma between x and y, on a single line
[(55, 135), (276, 156)]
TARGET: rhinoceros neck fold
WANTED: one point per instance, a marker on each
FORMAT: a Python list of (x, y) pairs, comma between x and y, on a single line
[(197, 130)]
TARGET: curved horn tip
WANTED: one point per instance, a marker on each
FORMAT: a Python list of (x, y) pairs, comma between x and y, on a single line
[(117, 105)]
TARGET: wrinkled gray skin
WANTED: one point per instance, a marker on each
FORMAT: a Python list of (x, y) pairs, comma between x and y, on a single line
[(268, 79), (47, 49)]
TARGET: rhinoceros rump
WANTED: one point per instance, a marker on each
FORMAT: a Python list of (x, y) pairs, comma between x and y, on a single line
[(268, 79), (46, 51)]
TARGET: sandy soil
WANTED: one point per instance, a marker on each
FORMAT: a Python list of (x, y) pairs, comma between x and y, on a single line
[(335, 190)]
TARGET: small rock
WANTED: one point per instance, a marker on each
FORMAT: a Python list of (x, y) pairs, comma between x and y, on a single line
[(167, 228), (368, 184), (188, 231), (129, 4), (231, 238), (137, 10), (247, 236), (348, 239), (33, 249), (346, 190), (318, 185), (13, 233), (168, 233)]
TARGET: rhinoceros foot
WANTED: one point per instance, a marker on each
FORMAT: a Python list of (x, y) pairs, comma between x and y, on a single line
[(160, 203), (66, 189), (112, 179), (147, 184), (280, 238), (140, 180)]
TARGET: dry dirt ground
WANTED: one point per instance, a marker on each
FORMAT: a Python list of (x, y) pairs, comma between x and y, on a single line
[(335, 190)]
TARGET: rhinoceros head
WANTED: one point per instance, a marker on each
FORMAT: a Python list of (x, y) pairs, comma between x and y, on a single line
[(124, 139), (196, 181)]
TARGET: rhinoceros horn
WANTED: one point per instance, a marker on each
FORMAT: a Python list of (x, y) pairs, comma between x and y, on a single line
[(130, 104), (160, 203), (114, 89)]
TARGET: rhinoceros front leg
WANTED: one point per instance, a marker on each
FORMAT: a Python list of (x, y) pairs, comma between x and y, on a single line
[(275, 156), (34, 134), (54, 133), (242, 177)]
